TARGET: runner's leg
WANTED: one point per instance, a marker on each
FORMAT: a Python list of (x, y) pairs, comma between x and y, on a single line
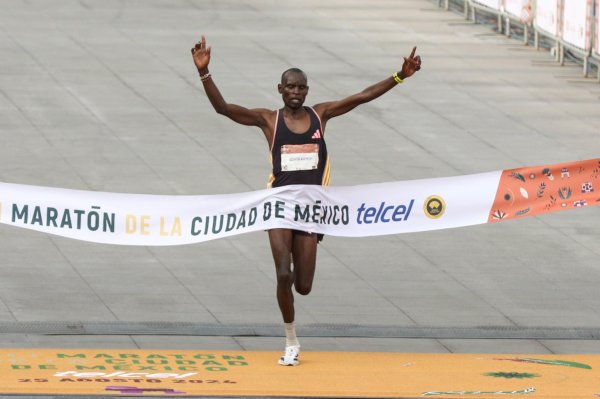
[(281, 247), (304, 251)]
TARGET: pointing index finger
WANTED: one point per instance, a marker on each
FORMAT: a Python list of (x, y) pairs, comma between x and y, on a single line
[(412, 55)]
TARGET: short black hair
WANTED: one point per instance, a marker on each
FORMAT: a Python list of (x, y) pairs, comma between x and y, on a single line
[(294, 70)]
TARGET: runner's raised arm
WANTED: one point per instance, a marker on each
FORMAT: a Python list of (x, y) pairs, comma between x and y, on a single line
[(249, 117), (331, 109)]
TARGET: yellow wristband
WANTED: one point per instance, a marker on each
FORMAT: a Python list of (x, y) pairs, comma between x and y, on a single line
[(397, 78)]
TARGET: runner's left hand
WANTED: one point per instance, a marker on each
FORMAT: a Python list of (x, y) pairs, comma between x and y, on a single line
[(411, 64)]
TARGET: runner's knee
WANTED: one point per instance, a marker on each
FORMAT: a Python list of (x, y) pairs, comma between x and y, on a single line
[(285, 277), (303, 289)]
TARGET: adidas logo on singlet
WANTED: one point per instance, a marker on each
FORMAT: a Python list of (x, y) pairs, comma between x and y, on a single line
[(316, 135)]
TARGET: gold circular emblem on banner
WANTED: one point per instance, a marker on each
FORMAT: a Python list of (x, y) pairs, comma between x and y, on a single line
[(434, 206)]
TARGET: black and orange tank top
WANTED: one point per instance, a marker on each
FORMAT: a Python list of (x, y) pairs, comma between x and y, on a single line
[(299, 158)]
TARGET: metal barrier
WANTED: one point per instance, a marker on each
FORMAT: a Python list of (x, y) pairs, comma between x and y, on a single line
[(572, 25), (447, 6), (596, 38), (576, 30)]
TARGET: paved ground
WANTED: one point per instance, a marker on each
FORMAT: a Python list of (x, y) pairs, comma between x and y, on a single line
[(104, 96)]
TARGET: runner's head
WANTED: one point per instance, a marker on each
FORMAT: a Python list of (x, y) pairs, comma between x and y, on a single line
[(293, 88)]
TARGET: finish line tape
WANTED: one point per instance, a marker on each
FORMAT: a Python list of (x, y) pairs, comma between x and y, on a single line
[(354, 211)]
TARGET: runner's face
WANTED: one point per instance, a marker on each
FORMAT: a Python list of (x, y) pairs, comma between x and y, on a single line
[(293, 89)]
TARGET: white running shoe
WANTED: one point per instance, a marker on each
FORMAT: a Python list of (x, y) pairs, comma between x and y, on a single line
[(291, 356)]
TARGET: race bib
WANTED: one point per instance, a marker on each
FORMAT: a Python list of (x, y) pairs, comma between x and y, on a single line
[(299, 157)]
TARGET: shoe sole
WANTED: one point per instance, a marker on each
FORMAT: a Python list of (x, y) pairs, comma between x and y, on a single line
[(282, 363), (288, 364)]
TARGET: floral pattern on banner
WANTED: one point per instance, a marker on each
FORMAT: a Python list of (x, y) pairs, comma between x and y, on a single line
[(541, 189)]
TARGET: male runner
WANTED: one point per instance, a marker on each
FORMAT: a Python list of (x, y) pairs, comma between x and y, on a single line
[(294, 129)]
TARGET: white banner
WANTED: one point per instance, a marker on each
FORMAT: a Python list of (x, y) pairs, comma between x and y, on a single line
[(386, 208), (576, 23), (597, 22), (546, 16), (519, 9), (514, 7), (367, 210)]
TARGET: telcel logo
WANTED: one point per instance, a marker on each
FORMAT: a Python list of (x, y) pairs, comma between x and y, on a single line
[(434, 206), (383, 213)]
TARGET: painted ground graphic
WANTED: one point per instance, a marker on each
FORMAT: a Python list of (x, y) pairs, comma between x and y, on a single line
[(321, 374)]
